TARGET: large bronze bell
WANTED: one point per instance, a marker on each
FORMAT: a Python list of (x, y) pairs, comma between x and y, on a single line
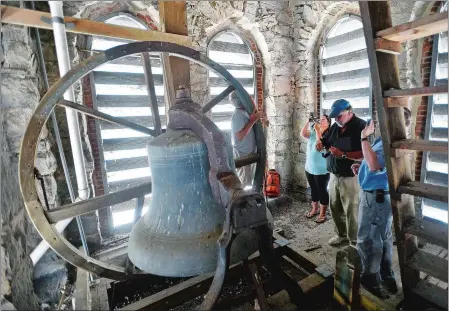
[(178, 235)]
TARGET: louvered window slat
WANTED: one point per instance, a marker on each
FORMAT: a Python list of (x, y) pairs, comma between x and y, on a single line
[(230, 51), (435, 166), (344, 67)]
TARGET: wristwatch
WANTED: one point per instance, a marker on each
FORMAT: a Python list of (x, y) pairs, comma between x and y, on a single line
[(344, 155), (364, 138)]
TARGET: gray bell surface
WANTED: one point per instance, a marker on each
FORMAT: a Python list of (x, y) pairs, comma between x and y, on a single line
[(178, 235)]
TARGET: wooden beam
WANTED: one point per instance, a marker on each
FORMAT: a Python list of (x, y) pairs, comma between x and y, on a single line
[(84, 207), (42, 20), (433, 231), (82, 293), (387, 46), (432, 293), (423, 27), (394, 102), (173, 20), (423, 190), (430, 264), (376, 17), (419, 91), (420, 145)]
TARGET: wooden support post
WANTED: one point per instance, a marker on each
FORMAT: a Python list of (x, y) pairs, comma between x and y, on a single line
[(385, 76), (173, 18)]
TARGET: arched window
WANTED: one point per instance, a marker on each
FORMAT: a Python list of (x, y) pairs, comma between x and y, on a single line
[(230, 51), (435, 165), (119, 89), (344, 67)]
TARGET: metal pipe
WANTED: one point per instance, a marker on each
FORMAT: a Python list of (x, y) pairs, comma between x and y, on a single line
[(40, 250), (62, 53)]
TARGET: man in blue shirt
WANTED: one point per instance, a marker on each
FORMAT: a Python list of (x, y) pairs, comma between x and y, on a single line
[(375, 219)]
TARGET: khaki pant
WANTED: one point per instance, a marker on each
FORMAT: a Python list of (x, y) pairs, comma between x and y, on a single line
[(344, 205)]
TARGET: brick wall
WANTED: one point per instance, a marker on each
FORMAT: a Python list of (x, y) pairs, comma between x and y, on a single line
[(259, 73), (421, 117)]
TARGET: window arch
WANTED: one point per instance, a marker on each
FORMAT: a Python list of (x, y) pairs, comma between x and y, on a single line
[(435, 165), (344, 67), (119, 89), (231, 51)]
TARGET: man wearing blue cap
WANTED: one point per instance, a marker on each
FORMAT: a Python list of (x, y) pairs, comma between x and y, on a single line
[(343, 185)]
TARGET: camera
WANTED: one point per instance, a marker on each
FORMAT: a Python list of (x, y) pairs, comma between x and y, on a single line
[(314, 119)]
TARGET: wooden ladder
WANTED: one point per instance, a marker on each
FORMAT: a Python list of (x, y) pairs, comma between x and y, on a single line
[(383, 42)]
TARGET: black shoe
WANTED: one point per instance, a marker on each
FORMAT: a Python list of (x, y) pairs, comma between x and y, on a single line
[(390, 285), (371, 282), (377, 291)]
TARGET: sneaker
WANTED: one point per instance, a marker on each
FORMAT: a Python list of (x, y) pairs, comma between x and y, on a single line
[(337, 240), (390, 285)]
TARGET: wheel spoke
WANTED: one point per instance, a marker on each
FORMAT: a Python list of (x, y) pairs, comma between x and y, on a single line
[(218, 98), (106, 117), (247, 160), (84, 207), (149, 79)]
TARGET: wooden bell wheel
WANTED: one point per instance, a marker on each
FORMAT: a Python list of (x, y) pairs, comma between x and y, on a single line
[(45, 220)]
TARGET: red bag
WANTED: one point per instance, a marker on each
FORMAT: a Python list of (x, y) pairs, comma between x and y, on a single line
[(272, 184)]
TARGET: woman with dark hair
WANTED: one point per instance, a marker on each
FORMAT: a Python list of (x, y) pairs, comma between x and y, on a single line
[(316, 171)]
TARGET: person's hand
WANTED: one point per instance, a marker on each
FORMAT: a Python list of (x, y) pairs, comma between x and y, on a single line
[(355, 168), (368, 130), (336, 152), (265, 122), (256, 115), (319, 145)]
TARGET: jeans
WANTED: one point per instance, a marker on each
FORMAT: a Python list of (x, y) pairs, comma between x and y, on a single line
[(344, 205), (374, 236)]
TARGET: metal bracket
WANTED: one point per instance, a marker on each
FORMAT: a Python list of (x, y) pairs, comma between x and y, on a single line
[(282, 242), (56, 19), (325, 271)]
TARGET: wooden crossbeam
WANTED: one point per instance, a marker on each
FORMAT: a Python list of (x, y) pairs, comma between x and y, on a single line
[(430, 264), (423, 190), (423, 27), (42, 20), (432, 293), (419, 91), (420, 145), (433, 231), (387, 46), (393, 102)]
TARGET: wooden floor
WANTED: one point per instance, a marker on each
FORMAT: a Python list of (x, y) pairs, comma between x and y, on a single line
[(313, 238)]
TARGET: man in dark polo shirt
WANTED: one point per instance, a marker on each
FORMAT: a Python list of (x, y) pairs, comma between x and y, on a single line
[(344, 187)]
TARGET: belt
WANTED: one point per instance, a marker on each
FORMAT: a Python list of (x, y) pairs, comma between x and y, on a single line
[(385, 192)]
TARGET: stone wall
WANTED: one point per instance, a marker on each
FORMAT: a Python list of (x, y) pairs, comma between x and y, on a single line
[(267, 27), (19, 96)]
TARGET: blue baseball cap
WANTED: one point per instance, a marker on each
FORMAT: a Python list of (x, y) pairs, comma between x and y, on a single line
[(338, 106)]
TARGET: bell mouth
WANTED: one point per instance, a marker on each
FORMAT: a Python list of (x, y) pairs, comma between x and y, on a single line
[(174, 256)]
